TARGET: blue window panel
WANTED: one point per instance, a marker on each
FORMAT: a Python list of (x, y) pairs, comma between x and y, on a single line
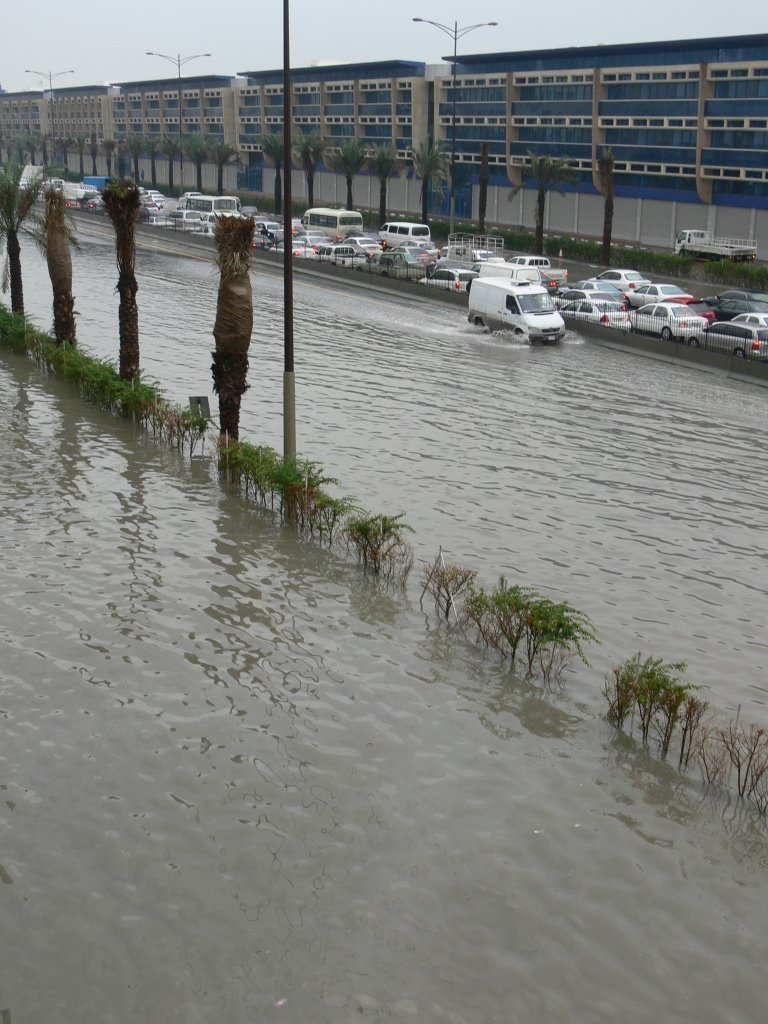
[(678, 137), (747, 88), (655, 154), (552, 109), (340, 110), (552, 133), (732, 139), (473, 109), (736, 108), (734, 158), (338, 130), (639, 108), (376, 132), (740, 193), (566, 93), (375, 109)]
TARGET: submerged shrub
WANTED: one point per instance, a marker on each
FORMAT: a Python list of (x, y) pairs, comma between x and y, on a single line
[(380, 543), (515, 618), (446, 582)]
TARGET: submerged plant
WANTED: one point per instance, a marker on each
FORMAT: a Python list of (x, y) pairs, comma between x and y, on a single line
[(380, 543), (446, 582)]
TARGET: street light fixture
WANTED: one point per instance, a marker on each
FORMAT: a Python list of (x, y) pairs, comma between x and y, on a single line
[(179, 62), (455, 33), (50, 75)]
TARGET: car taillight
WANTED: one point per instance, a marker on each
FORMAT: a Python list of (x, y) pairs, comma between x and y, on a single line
[(604, 319), (457, 285), (755, 345), (632, 285)]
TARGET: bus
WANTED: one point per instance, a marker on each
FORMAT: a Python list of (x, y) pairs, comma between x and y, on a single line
[(334, 224), (214, 204)]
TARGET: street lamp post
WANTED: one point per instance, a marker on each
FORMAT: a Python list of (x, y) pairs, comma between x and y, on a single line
[(455, 33), (50, 75), (179, 62), (289, 379)]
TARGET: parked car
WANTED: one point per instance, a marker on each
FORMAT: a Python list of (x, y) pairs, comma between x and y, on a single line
[(745, 341), (626, 280), (267, 234), (450, 279), (593, 285), (158, 197), (364, 242), (94, 203), (425, 246), (578, 294), (756, 319), (668, 321), (426, 257), (394, 264), (733, 293), (730, 308), (698, 306), (340, 254), (595, 310), (646, 293)]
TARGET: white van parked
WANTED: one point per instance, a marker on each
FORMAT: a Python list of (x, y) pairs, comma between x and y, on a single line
[(398, 231), (522, 307)]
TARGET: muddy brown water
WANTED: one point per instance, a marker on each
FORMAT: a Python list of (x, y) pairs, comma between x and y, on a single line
[(240, 782)]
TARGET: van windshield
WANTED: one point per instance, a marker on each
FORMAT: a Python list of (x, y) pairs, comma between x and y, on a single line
[(538, 302)]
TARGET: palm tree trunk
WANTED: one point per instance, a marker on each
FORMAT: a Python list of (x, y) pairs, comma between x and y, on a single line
[(382, 202), (424, 199), (482, 199), (605, 255), (538, 243), (199, 168), (14, 270), (234, 321), (170, 174), (278, 190), (128, 321), (310, 176), (220, 179), (153, 171), (59, 260), (349, 191)]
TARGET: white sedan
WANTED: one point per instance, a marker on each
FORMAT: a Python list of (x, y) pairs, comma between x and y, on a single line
[(450, 279), (646, 293), (597, 311), (756, 319), (627, 280), (667, 321)]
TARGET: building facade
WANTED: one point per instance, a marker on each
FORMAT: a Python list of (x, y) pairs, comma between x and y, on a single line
[(686, 121)]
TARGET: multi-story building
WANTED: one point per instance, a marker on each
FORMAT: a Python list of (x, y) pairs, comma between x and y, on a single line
[(686, 121)]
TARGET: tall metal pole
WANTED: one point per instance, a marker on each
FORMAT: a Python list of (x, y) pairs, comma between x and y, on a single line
[(452, 205), (50, 76), (289, 381), (179, 61), (455, 33)]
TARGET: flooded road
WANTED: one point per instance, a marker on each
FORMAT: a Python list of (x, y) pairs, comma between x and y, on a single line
[(240, 782)]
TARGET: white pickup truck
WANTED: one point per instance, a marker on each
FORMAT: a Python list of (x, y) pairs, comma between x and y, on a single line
[(704, 246), (550, 277)]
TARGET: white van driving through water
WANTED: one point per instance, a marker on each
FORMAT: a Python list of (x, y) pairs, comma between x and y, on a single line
[(522, 307)]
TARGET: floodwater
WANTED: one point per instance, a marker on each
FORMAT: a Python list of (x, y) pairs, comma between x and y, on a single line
[(240, 782)]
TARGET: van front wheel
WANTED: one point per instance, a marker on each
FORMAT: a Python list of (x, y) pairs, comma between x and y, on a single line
[(478, 321)]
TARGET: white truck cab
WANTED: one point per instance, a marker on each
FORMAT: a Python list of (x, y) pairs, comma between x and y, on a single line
[(522, 307)]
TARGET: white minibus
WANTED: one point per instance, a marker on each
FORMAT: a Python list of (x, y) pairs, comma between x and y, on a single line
[(214, 204), (334, 224)]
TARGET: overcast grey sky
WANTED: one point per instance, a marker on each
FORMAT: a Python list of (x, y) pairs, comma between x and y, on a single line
[(107, 43)]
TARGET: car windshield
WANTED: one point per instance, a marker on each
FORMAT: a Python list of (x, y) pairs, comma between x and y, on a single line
[(538, 302), (698, 307)]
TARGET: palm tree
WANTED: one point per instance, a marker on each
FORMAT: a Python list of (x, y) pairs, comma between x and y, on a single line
[(196, 148), (18, 208), (309, 151), (94, 147), (222, 154), (605, 167), (134, 144), (348, 160), (65, 144), (384, 164), (234, 320), (151, 146), (482, 198), (171, 147), (81, 141), (44, 139), (59, 236), (109, 146), (272, 146), (430, 164), (122, 202), (548, 173)]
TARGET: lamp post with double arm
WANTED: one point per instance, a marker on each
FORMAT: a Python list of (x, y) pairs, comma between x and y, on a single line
[(50, 75), (179, 63), (456, 33)]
